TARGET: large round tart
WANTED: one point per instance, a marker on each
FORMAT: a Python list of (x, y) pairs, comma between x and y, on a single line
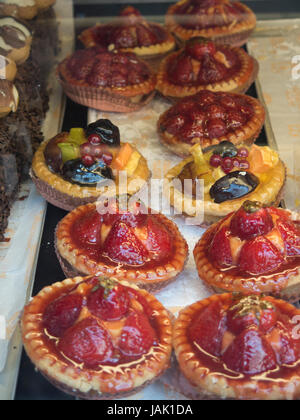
[(96, 338), (240, 347)]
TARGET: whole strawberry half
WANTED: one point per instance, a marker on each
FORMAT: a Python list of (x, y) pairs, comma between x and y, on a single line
[(251, 221), (108, 300), (197, 47), (123, 246), (250, 353), (87, 342), (62, 313), (159, 241), (285, 347), (219, 251), (181, 72), (137, 335), (208, 328), (135, 215), (87, 229), (259, 256), (291, 236)]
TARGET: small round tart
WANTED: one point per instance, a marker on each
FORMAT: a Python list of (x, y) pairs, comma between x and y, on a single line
[(221, 177), (15, 39), (135, 245), (240, 347), (224, 21), (208, 118), (130, 33), (78, 167), (107, 80), (255, 249), (96, 338), (204, 65)]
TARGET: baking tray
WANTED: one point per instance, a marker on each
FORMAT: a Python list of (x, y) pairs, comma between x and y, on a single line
[(18, 256)]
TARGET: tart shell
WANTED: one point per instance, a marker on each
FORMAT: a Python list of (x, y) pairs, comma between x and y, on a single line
[(235, 35), (205, 381), (114, 99), (74, 260), (246, 134), (107, 382), (269, 193), (238, 84), (283, 284), (68, 196)]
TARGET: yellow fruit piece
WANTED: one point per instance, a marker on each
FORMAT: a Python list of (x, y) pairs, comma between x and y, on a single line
[(122, 157), (133, 163), (261, 159), (200, 163), (77, 136), (69, 151)]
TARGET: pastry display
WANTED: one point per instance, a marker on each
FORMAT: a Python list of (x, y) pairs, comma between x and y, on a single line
[(209, 118), (96, 338), (255, 249), (79, 166), (107, 80), (202, 64), (131, 33), (134, 244), (223, 176), (15, 39), (239, 347), (224, 21)]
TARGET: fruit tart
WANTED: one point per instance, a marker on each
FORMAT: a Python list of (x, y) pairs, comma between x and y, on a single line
[(107, 80), (255, 249), (202, 64), (221, 177), (96, 338), (128, 242), (233, 346), (79, 166), (208, 118), (130, 32), (224, 21)]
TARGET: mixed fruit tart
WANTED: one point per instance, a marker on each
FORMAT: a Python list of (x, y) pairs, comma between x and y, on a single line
[(130, 243), (255, 249), (107, 80), (208, 118), (224, 21), (202, 64), (240, 347), (131, 33), (221, 177), (97, 338), (77, 167)]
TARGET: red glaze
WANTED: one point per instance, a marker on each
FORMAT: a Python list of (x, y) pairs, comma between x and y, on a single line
[(86, 338), (207, 115), (255, 243), (100, 68)]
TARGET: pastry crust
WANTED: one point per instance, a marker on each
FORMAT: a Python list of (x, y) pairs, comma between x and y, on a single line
[(111, 99), (151, 279), (199, 375), (44, 4), (267, 192), (284, 283), (27, 12), (234, 34), (239, 83), (68, 196), (108, 381), (246, 134)]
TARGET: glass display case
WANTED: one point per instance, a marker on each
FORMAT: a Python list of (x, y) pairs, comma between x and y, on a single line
[(169, 84)]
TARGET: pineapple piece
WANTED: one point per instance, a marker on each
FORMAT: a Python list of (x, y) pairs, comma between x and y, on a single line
[(77, 136), (200, 164), (133, 162), (69, 151)]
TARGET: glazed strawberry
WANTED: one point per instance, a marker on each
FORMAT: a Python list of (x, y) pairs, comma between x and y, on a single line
[(108, 300), (159, 241), (211, 71), (197, 47), (134, 214), (283, 344), (216, 128), (87, 342), (182, 71), (174, 123), (291, 236), (137, 335), (208, 328), (145, 36), (251, 311), (62, 313), (250, 221), (259, 256), (87, 230), (250, 353), (123, 246), (219, 250)]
